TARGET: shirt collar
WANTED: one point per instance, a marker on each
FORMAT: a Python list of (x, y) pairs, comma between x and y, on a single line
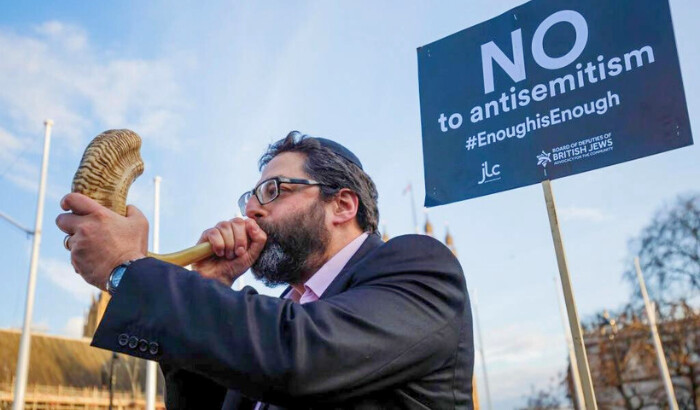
[(319, 281)]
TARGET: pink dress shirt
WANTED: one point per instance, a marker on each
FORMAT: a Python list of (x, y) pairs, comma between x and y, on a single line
[(319, 282)]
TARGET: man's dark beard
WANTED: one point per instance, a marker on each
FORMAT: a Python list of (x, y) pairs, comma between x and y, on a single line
[(293, 247)]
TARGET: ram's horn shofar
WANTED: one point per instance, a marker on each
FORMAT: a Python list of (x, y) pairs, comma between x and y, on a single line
[(110, 165)]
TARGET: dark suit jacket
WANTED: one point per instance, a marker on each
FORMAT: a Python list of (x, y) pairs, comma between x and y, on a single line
[(393, 330)]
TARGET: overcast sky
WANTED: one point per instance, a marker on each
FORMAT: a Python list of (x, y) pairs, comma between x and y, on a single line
[(209, 84)]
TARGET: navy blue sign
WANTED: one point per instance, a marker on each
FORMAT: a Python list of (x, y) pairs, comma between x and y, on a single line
[(549, 89)]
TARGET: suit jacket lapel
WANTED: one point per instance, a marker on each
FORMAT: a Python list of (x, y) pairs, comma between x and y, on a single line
[(372, 242)]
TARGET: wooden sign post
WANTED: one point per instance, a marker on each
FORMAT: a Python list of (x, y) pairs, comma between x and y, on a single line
[(579, 348)]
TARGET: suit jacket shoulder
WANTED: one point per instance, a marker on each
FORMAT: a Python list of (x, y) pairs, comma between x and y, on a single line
[(406, 253)]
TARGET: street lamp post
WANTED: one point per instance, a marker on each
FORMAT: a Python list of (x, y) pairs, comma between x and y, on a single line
[(25, 339), (111, 379)]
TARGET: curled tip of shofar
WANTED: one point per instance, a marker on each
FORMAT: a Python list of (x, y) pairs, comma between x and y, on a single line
[(110, 165)]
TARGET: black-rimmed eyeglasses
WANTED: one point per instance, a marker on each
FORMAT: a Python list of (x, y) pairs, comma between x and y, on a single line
[(269, 189)]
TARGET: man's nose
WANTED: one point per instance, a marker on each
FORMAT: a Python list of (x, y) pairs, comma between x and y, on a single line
[(253, 209)]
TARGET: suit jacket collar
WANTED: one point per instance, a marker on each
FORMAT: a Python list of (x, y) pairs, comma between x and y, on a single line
[(372, 242)]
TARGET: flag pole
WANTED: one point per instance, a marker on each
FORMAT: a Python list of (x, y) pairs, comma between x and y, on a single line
[(151, 366), (660, 358), (25, 339), (413, 209), (574, 322)]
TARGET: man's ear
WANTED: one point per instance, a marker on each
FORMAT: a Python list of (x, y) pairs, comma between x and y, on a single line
[(344, 206)]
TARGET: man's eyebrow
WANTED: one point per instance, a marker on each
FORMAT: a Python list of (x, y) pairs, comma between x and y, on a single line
[(269, 178)]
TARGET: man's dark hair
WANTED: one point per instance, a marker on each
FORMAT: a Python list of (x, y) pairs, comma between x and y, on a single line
[(332, 170)]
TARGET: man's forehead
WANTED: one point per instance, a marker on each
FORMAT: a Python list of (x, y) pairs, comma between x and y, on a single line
[(286, 164)]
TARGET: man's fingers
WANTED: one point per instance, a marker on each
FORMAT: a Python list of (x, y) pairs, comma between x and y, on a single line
[(214, 237), (226, 232), (79, 204), (239, 232), (134, 212), (257, 239), (73, 264), (202, 238), (68, 222)]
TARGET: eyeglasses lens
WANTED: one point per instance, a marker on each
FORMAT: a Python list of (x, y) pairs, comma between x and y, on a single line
[(268, 191), (243, 201), (265, 192)]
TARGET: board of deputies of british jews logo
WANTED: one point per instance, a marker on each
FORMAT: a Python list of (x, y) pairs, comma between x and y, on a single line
[(544, 158), (577, 150)]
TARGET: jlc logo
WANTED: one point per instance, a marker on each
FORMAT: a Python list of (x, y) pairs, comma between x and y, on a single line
[(489, 174)]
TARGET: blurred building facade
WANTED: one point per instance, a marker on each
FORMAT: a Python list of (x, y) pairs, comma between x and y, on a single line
[(68, 373), (623, 360)]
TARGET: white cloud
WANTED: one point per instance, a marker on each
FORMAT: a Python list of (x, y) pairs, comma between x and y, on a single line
[(575, 213), (53, 72), (537, 355), (74, 327), (13, 166), (65, 36), (8, 144), (515, 384), (515, 344), (61, 273)]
